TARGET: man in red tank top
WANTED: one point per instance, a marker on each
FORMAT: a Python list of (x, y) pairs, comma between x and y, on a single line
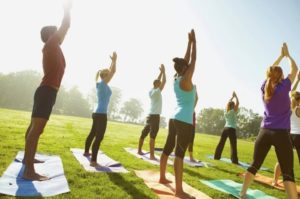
[(45, 95)]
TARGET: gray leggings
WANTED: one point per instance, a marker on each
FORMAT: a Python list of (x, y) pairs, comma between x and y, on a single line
[(280, 139)]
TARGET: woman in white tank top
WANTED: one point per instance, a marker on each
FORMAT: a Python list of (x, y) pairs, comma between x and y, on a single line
[(295, 127)]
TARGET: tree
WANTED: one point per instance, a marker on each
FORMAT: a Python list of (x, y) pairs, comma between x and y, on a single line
[(132, 110), (113, 107), (211, 121)]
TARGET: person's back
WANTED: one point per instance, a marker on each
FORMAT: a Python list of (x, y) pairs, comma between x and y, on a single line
[(156, 101), (230, 118), (103, 94)]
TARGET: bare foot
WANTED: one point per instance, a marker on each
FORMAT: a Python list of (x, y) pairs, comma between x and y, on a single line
[(242, 195), (140, 153), (34, 177), (192, 160), (184, 195), (164, 181), (274, 183), (153, 158), (87, 154), (95, 164)]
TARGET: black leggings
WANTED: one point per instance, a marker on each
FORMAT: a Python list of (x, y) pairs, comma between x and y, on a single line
[(295, 138), (180, 134), (191, 145), (231, 133), (280, 139), (152, 127), (96, 134)]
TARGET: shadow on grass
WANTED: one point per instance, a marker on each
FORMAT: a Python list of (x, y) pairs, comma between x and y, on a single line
[(127, 186), (196, 174)]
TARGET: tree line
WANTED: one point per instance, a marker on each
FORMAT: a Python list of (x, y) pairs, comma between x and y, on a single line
[(17, 90)]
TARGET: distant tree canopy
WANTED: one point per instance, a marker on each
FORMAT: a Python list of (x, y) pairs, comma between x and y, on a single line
[(132, 110), (212, 121)]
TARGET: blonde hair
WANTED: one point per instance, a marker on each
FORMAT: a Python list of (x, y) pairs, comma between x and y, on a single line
[(295, 98), (230, 106), (101, 74), (274, 76)]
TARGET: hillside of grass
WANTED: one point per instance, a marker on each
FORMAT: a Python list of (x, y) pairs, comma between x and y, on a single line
[(65, 132)]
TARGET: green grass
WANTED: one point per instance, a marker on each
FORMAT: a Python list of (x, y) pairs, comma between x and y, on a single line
[(64, 132)]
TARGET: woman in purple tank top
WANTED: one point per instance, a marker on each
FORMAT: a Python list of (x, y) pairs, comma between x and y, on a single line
[(276, 125)]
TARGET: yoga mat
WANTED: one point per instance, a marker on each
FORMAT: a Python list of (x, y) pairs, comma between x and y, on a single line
[(187, 160), (268, 181), (166, 191), (233, 188), (12, 183), (146, 156), (241, 164), (107, 164)]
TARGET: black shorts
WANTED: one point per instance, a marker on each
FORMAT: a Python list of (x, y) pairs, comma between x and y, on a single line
[(44, 100), (152, 127)]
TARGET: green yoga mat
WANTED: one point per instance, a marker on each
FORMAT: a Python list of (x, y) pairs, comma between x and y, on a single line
[(234, 188)]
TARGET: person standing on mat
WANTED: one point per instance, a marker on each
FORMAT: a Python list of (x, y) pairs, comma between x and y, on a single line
[(276, 125), (152, 122), (100, 115), (191, 145), (45, 95), (295, 127), (229, 130), (181, 123)]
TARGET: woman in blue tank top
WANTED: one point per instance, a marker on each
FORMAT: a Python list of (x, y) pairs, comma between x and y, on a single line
[(181, 123), (100, 114)]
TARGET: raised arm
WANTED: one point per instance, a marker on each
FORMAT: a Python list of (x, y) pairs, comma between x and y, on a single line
[(163, 81), (112, 68), (297, 82), (188, 49), (237, 103), (186, 83), (279, 59), (64, 27), (293, 65)]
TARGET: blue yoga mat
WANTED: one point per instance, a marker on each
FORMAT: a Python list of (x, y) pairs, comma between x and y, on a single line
[(12, 183), (241, 164), (233, 188)]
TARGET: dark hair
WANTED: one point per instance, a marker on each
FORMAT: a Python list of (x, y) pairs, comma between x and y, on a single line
[(179, 64), (46, 32), (230, 106)]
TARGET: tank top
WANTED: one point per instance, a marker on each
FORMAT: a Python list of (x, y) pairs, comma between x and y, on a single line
[(103, 94), (185, 101), (295, 122)]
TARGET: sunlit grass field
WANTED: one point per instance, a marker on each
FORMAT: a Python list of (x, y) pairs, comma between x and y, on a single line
[(65, 132)]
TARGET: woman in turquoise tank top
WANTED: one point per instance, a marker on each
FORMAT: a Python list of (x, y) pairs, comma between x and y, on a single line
[(229, 130), (181, 123), (100, 114)]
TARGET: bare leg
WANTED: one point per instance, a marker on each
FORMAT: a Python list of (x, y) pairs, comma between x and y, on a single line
[(95, 164), (163, 166), (37, 127), (290, 189), (178, 168), (247, 181), (141, 142), (277, 173), (26, 135), (152, 144), (191, 156)]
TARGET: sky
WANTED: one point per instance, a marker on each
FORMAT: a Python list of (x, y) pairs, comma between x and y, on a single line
[(236, 42)]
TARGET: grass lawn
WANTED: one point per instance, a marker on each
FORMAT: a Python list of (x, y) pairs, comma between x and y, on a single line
[(64, 132)]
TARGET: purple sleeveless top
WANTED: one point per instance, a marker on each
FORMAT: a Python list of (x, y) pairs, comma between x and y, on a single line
[(277, 114)]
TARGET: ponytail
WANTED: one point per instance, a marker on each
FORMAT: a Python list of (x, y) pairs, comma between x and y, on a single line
[(97, 75), (274, 76)]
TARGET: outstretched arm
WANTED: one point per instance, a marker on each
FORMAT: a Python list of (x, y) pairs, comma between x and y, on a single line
[(112, 68), (279, 59), (64, 27), (163, 81), (186, 83)]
